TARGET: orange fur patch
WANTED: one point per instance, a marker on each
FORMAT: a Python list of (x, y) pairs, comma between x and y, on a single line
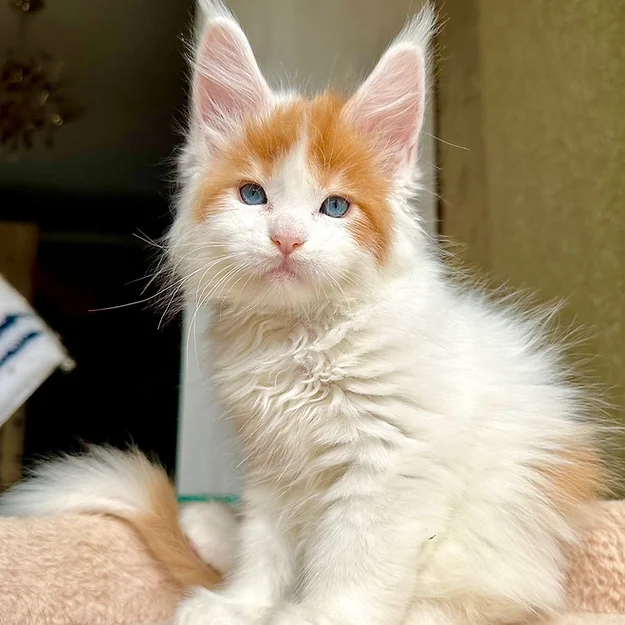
[(340, 157), (338, 151), (270, 139), (251, 156), (577, 476), (163, 536)]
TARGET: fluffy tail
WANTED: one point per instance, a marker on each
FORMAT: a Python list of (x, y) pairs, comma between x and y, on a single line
[(124, 485)]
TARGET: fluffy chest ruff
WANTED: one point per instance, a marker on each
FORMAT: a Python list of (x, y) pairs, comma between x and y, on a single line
[(306, 399)]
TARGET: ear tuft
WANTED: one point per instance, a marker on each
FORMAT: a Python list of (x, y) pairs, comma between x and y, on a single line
[(420, 31), (228, 85), (211, 10), (390, 105)]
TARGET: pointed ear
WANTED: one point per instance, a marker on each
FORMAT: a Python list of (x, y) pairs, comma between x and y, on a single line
[(227, 82), (390, 105)]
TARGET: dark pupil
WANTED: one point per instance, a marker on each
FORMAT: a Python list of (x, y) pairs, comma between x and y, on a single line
[(253, 194), (335, 206)]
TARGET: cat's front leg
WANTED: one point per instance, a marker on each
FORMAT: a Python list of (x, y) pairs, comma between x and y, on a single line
[(360, 564), (262, 571)]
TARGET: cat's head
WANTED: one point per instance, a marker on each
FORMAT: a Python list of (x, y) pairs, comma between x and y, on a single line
[(288, 201)]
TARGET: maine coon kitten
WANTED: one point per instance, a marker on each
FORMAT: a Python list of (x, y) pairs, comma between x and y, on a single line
[(415, 453)]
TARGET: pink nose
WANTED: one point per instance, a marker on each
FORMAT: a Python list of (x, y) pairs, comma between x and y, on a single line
[(286, 243)]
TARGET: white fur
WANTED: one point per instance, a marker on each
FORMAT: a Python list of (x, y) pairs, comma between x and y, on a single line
[(104, 480), (213, 530), (390, 418)]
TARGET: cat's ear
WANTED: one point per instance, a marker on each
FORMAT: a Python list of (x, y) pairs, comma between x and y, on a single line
[(227, 82), (390, 105)]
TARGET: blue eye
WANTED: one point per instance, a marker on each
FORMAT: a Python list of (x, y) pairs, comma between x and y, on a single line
[(334, 206), (253, 194)]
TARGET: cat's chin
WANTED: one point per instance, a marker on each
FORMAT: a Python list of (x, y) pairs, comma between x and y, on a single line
[(279, 290), (283, 273), (285, 269), (286, 273)]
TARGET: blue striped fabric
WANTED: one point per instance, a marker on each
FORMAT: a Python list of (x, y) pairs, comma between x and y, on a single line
[(10, 320), (13, 337), (13, 351)]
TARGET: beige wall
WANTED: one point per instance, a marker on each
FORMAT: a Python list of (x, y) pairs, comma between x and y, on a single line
[(536, 90)]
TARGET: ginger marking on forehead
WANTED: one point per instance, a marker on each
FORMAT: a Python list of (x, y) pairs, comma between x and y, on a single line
[(339, 152), (250, 155), (268, 140)]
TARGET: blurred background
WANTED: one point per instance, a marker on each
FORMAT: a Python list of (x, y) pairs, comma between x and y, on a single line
[(526, 177), (72, 213)]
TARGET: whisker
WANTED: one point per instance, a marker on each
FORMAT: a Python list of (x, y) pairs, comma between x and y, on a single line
[(453, 145)]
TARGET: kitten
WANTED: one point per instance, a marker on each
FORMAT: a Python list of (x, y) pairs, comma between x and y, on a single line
[(415, 453)]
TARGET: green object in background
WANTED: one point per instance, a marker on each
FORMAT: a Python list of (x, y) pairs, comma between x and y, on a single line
[(230, 499)]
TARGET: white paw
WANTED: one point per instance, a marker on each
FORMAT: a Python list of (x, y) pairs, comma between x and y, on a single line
[(212, 528), (205, 607), (293, 614)]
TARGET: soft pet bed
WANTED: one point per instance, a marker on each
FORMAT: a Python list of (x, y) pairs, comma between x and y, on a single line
[(80, 570)]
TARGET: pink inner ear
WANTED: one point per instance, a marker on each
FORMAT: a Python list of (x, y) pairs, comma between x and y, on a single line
[(389, 106), (228, 84)]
